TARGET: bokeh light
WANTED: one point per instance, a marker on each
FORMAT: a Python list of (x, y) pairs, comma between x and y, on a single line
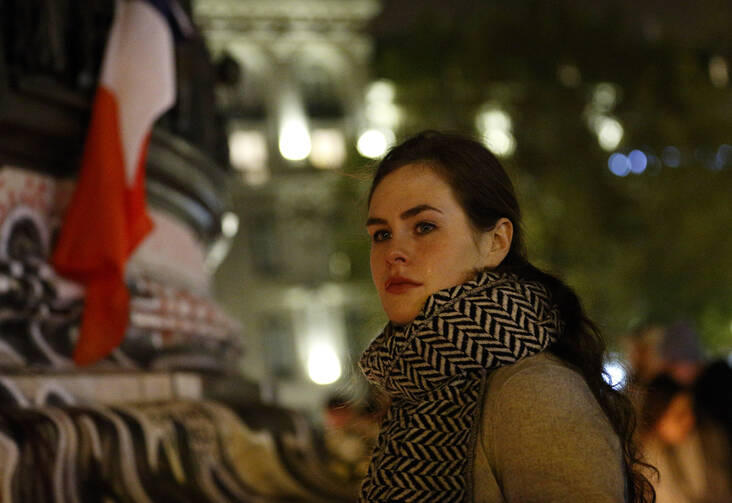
[(638, 161), (569, 75), (723, 157), (295, 140), (380, 91), (493, 119), (605, 96), (229, 224), (248, 153), (619, 164), (328, 148), (494, 126), (671, 156), (373, 143), (615, 373), (339, 265), (609, 133), (500, 142), (718, 71), (324, 366)]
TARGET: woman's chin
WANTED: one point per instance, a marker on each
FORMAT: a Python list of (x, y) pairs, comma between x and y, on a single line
[(402, 316), (404, 308), (402, 321)]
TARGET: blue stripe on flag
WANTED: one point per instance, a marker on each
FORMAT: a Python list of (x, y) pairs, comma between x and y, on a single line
[(177, 19)]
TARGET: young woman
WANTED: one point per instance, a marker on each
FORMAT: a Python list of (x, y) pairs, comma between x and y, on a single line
[(494, 371)]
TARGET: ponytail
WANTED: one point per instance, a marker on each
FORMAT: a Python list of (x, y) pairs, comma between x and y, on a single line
[(582, 346)]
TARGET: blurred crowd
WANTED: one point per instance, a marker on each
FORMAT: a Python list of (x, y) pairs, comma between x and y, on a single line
[(684, 403), (350, 431)]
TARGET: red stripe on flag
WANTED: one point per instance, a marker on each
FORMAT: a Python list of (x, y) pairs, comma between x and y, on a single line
[(105, 319), (104, 222)]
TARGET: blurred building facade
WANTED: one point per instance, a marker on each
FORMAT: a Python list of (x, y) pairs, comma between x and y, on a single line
[(292, 98), (174, 388)]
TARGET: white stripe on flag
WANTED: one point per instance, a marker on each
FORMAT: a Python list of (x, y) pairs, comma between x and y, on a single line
[(139, 69)]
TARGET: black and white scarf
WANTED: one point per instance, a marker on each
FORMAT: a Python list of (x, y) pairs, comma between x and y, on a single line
[(434, 369)]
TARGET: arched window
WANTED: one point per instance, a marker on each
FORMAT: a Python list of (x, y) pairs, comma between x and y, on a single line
[(319, 91), (243, 95)]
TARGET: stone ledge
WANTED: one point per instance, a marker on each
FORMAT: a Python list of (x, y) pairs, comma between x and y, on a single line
[(106, 387)]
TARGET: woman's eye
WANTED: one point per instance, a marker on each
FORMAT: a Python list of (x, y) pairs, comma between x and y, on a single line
[(425, 227), (380, 236)]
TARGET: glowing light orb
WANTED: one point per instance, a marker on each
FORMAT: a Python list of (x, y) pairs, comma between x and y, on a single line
[(329, 149), (609, 133), (248, 150), (493, 119), (229, 224), (500, 142), (372, 144), (295, 141), (619, 164), (615, 374), (638, 161), (324, 366), (381, 91)]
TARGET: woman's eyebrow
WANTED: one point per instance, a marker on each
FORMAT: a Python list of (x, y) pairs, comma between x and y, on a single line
[(375, 221), (416, 210), (406, 214)]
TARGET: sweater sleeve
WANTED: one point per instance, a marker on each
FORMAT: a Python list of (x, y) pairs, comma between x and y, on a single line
[(548, 440)]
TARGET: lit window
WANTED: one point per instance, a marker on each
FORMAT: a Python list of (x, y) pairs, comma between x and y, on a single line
[(295, 140), (248, 154), (328, 148)]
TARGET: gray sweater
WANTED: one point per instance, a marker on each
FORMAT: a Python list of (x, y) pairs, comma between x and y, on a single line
[(544, 438)]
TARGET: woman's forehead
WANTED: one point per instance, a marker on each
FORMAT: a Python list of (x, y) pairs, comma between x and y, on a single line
[(409, 186), (410, 177)]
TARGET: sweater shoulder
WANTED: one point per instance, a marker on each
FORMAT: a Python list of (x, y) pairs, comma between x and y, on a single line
[(534, 375), (542, 432), (541, 389)]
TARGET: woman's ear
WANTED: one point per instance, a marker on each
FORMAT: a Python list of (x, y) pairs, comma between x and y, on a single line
[(496, 243)]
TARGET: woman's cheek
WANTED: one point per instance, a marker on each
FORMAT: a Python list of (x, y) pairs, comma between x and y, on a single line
[(375, 264)]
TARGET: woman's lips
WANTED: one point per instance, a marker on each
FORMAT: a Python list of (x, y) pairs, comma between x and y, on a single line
[(400, 285)]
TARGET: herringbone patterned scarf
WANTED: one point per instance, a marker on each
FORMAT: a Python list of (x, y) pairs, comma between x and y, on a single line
[(434, 369)]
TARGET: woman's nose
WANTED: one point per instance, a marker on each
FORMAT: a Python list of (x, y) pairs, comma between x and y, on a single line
[(397, 253)]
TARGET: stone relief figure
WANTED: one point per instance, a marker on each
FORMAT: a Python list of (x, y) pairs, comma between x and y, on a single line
[(87, 36), (53, 21), (35, 35), (61, 39)]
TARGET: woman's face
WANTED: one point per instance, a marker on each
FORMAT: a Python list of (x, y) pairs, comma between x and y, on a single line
[(421, 240)]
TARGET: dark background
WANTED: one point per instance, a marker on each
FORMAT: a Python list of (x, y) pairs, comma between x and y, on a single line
[(645, 248)]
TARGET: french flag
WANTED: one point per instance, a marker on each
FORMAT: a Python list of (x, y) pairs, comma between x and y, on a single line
[(107, 216)]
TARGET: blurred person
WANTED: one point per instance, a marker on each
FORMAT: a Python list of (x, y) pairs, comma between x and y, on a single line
[(667, 420), (681, 353), (349, 434), (692, 456), (667, 410), (494, 370), (674, 349), (338, 412), (712, 394), (642, 353)]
